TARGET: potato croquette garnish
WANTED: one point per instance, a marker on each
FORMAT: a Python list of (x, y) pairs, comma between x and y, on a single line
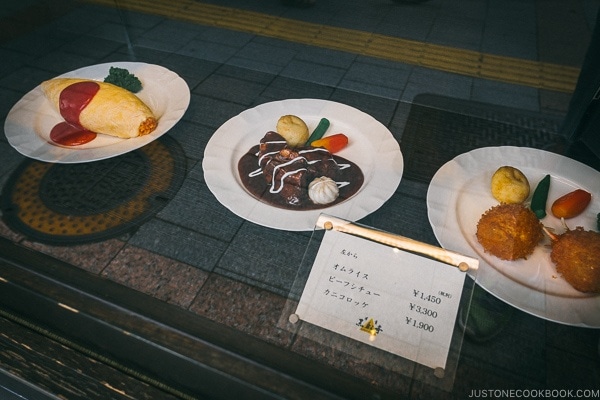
[(293, 129), (509, 185)]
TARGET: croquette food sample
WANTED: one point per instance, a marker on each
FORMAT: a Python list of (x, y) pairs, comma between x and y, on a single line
[(509, 231), (576, 254)]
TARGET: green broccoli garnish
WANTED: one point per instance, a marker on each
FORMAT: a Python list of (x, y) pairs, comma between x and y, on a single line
[(123, 78)]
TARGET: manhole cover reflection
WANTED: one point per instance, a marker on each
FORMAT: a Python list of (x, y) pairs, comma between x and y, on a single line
[(79, 203)]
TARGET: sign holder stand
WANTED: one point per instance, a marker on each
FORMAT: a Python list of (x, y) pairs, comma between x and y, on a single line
[(382, 299)]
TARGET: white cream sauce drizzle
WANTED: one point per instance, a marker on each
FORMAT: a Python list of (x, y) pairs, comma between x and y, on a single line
[(273, 188)]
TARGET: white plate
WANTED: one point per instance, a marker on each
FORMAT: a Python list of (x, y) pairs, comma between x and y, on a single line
[(31, 119), (459, 194), (371, 146)]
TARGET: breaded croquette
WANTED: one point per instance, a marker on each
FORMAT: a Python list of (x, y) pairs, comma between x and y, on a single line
[(509, 231), (576, 254)]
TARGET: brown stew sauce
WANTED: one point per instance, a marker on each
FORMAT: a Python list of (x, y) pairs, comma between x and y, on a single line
[(258, 187)]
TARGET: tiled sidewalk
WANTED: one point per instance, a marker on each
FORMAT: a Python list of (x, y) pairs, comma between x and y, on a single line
[(229, 71), (552, 32)]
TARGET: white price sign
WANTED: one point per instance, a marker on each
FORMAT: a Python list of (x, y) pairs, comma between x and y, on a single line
[(379, 294)]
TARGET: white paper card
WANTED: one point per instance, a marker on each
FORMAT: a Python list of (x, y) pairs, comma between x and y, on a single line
[(391, 299)]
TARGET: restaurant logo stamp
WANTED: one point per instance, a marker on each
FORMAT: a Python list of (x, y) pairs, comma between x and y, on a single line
[(369, 325)]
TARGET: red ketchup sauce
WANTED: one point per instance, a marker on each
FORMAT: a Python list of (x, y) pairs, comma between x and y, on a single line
[(73, 99)]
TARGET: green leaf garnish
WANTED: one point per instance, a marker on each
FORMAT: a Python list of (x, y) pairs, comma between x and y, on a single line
[(123, 78)]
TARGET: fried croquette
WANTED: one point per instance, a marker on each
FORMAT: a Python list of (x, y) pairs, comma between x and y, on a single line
[(576, 254), (509, 231)]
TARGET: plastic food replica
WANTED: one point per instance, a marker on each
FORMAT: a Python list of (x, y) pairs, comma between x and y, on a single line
[(571, 204), (511, 230), (290, 169), (90, 107)]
